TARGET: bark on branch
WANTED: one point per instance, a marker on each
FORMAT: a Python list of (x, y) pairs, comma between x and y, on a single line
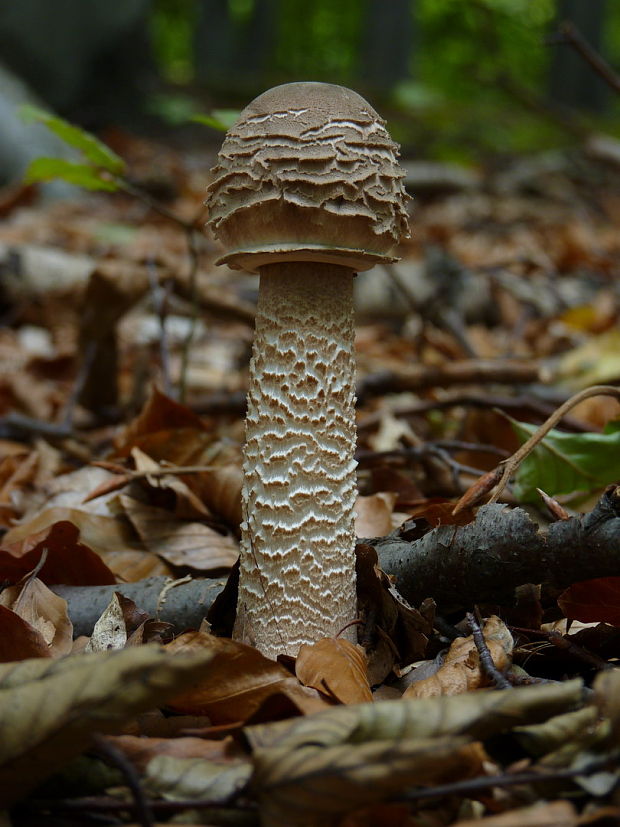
[(456, 565)]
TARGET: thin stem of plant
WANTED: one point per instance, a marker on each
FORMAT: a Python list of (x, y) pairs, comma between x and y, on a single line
[(510, 465), (570, 34)]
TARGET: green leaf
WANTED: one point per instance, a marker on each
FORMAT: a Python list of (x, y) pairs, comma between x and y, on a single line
[(567, 463), (92, 148), (81, 175), (220, 119)]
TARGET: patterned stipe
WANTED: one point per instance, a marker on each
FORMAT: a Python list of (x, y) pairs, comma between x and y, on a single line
[(299, 490)]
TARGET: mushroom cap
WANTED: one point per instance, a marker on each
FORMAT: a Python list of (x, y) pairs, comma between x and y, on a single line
[(308, 173)]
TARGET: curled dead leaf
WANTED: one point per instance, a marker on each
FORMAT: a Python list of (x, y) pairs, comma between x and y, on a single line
[(336, 667)]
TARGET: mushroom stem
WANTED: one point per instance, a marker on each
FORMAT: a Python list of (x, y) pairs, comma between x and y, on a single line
[(297, 575)]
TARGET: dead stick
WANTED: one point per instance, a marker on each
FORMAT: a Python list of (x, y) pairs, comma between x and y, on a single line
[(457, 566), (569, 33), (510, 465)]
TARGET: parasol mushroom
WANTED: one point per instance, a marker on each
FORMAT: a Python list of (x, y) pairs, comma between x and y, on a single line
[(307, 192)]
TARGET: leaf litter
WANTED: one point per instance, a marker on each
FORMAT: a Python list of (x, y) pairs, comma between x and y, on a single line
[(126, 485)]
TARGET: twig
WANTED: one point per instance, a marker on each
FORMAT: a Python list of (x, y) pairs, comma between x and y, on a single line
[(465, 372), (471, 400), (152, 204), (570, 34), (160, 295), (511, 465), (471, 785), (565, 643), (90, 351), (15, 426), (486, 659), (118, 758), (218, 814), (194, 258)]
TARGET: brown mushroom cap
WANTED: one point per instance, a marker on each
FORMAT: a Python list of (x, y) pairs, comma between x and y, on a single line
[(308, 172)]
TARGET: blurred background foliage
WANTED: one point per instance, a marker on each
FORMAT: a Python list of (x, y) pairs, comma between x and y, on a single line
[(455, 78)]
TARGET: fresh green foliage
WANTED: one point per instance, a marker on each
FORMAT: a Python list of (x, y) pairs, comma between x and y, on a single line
[(172, 26), (567, 463), (220, 119), (92, 148), (103, 167), (81, 175)]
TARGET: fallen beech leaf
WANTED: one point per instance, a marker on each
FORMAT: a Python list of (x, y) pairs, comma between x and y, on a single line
[(110, 537), (120, 619), (109, 486), (188, 504), (404, 631), (220, 489), (460, 670), (477, 714), (335, 666), (309, 785), (18, 640), (140, 749), (16, 471), (570, 727), (607, 698), (373, 514), (169, 432), (49, 709), (196, 778), (546, 814), (240, 680), (69, 561), (160, 415), (109, 631), (441, 512), (44, 611), (180, 543), (592, 601)]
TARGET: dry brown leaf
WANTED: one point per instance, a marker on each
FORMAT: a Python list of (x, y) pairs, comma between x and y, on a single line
[(373, 514), (18, 640), (607, 697), (310, 785), (220, 489), (16, 471), (337, 667), (110, 537), (162, 423), (477, 714), (68, 561), (45, 612), (50, 708), (169, 432), (240, 681), (461, 670), (196, 778), (546, 814), (403, 632), (188, 504), (140, 749), (118, 622), (109, 631), (180, 543)]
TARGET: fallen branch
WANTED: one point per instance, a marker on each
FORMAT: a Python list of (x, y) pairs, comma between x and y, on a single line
[(456, 565), (501, 549), (465, 372)]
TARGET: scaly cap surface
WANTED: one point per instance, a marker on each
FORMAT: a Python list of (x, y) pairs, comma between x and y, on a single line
[(308, 172)]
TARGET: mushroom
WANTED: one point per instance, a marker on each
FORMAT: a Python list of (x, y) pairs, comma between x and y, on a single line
[(307, 191)]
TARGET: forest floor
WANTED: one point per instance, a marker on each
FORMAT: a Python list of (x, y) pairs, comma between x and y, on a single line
[(485, 687)]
